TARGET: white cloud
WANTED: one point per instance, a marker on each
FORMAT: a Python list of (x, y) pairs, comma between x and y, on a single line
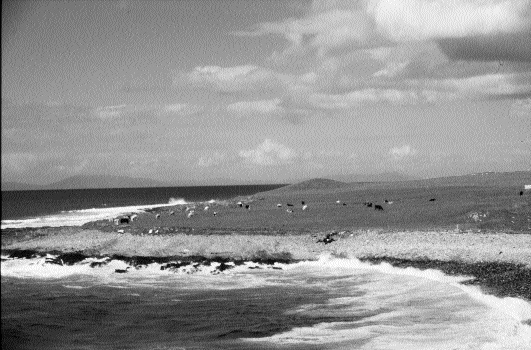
[(215, 159), (182, 109), (421, 20), (109, 112), (262, 106), (230, 79), (399, 153), (269, 153)]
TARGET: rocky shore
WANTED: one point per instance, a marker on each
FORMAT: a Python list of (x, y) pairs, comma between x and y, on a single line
[(498, 263)]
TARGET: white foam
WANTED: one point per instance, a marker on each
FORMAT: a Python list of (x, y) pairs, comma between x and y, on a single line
[(412, 308), (82, 216)]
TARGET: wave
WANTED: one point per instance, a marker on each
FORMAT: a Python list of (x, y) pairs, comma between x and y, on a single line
[(82, 216), (391, 307), (408, 308)]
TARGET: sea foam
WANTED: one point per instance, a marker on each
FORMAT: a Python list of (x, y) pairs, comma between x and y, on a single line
[(82, 216)]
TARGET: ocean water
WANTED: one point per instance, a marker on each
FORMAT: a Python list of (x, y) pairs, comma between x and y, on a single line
[(76, 207), (332, 303)]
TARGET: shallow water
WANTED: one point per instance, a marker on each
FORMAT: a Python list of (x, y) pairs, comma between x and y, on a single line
[(327, 304)]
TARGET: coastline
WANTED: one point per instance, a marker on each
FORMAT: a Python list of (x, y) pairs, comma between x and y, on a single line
[(500, 264)]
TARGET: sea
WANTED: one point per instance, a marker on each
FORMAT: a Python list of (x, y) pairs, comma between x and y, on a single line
[(335, 302)]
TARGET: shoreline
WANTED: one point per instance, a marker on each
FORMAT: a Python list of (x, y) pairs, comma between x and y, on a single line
[(500, 264)]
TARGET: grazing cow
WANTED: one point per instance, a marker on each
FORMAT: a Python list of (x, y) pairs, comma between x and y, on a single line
[(190, 214), (328, 238), (389, 202), (386, 201), (122, 270), (215, 213), (240, 204), (289, 210), (369, 204), (338, 202), (279, 205), (378, 207), (134, 217), (303, 203), (247, 206), (171, 213), (206, 208), (344, 204), (289, 205), (432, 200), (304, 207), (521, 193), (157, 216)]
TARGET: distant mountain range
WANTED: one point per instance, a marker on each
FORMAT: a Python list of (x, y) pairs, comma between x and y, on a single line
[(517, 178), (88, 181)]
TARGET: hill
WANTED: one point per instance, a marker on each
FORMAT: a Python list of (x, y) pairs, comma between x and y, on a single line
[(382, 177), (105, 181), (18, 186)]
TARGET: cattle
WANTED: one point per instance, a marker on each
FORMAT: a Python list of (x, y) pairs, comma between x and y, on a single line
[(304, 207), (171, 213), (303, 203), (368, 204), (338, 202), (521, 193), (432, 200), (289, 210), (247, 206), (344, 204), (134, 217), (279, 205), (240, 204), (215, 213), (289, 205), (206, 208), (122, 270), (157, 216), (378, 207), (190, 214)]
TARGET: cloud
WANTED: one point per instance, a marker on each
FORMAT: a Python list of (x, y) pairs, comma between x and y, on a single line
[(261, 106), (215, 159), (269, 153), (408, 20), (182, 109), (399, 153), (229, 79)]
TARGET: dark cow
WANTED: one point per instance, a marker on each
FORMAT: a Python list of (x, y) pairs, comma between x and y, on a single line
[(247, 206), (521, 193), (289, 205), (369, 204), (344, 204), (378, 207), (303, 203), (432, 200)]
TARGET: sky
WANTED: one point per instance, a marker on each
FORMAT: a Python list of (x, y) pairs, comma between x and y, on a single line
[(228, 91)]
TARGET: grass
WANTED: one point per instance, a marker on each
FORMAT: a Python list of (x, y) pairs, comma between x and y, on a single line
[(499, 208)]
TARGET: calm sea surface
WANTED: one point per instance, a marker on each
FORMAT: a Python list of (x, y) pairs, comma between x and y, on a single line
[(74, 207)]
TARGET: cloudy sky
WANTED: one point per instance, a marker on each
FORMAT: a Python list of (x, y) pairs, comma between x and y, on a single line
[(265, 90)]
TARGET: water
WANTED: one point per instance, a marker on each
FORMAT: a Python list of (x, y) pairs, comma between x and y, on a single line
[(76, 207), (327, 304)]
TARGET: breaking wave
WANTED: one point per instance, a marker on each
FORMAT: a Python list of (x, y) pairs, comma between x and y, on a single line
[(82, 216)]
